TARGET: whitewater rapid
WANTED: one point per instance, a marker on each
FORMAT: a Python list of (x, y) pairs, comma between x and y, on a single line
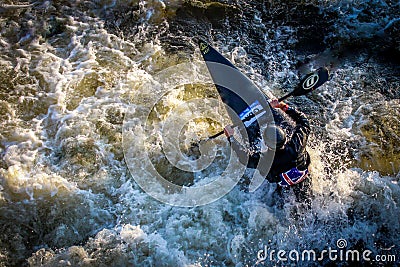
[(76, 98)]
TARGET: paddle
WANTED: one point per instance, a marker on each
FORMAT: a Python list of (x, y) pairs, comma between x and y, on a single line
[(308, 84)]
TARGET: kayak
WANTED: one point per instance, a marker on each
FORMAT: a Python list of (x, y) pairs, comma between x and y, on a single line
[(247, 105)]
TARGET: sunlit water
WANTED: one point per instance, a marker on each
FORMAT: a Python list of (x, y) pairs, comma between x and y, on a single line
[(67, 197)]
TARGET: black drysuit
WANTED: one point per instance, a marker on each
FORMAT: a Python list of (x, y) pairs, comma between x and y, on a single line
[(293, 154)]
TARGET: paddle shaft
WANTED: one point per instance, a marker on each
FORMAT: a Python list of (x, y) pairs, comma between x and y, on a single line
[(300, 90), (285, 96), (221, 132), (248, 118)]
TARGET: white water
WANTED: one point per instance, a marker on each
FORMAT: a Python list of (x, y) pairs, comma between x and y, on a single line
[(67, 196)]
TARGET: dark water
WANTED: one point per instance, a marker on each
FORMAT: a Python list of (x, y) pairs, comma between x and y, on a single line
[(75, 74)]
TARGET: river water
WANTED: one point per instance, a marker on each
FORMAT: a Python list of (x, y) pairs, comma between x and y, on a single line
[(86, 104)]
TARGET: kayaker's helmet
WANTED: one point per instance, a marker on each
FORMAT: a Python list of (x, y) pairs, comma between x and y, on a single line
[(274, 137)]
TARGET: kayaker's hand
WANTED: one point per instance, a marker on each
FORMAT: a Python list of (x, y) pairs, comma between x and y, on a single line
[(276, 104), (228, 130)]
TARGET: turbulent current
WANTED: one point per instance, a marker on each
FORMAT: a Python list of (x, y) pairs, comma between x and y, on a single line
[(96, 95)]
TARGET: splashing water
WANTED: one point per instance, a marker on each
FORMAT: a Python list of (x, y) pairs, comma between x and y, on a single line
[(67, 197)]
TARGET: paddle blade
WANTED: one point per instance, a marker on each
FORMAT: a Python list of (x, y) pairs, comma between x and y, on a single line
[(312, 81)]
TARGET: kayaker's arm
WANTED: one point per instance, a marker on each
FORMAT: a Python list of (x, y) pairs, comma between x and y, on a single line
[(302, 129)]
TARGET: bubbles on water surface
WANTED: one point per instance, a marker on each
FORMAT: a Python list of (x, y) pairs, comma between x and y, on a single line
[(72, 201)]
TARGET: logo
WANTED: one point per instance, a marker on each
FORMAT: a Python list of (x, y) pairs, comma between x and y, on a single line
[(250, 114), (204, 48), (310, 82), (341, 253), (341, 243)]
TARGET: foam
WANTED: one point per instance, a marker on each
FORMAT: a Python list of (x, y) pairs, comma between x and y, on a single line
[(64, 174)]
